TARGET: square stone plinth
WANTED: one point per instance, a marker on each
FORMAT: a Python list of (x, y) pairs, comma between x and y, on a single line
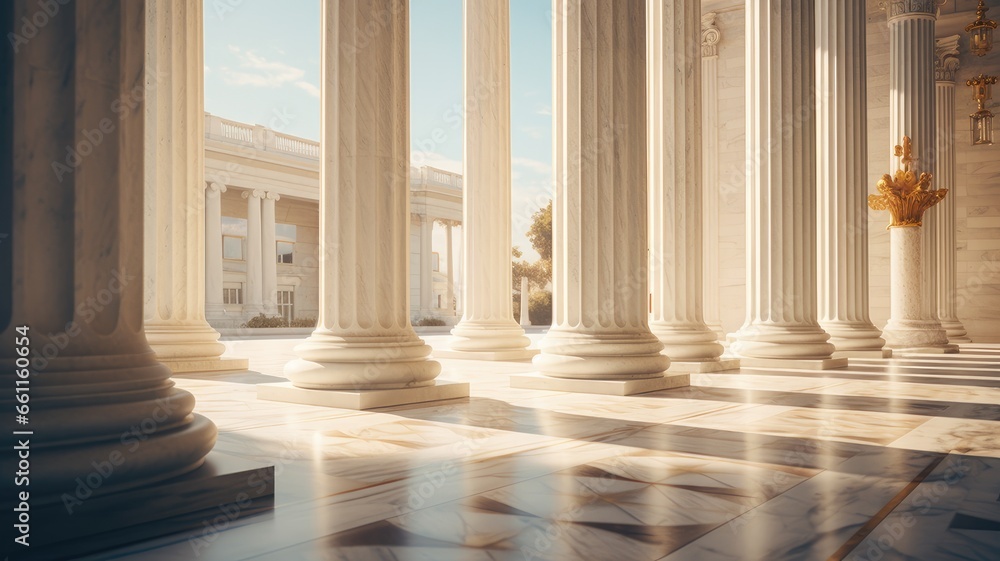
[(224, 486), (881, 353), (498, 356), (537, 381), (362, 399), (816, 364), (938, 350), (703, 367), (223, 364)]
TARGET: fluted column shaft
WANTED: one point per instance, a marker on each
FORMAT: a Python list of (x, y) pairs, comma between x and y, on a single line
[(174, 230), (253, 301), (426, 264), (912, 114), (75, 262), (781, 199), (487, 317), (450, 267), (600, 285), (269, 253), (946, 66), (675, 168), (213, 249), (364, 339), (710, 37), (842, 165)]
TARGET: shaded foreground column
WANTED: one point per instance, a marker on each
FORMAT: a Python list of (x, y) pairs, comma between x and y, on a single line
[(710, 37), (175, 197), (487, 330), (600, 340), (912, 114), (364, 352), (946, 65), (842, 176), (108, 428), (783, 327), (675, 187)]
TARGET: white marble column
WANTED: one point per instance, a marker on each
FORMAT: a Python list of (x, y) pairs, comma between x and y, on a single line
[(449, 304), (711, 35), (364, 343), (525, 302), (426, 265), (253, 298), (214, 307), (781, 198), (842, 177), (946, 65), (675, 190), (269, 253), (600, 340), (487, 329), (174, 171), (912, 114), (99, 397)]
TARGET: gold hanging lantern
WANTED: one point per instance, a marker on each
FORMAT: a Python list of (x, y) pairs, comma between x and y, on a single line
[(982, 120), (981, 31)]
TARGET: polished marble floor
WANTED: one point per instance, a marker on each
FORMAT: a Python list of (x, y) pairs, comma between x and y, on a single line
[(887, 460)]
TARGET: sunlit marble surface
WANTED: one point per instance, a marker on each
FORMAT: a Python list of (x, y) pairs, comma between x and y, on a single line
[(889, 459)]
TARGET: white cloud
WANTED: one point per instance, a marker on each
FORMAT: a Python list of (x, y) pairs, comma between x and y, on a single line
[(257, 71), (544, 110), (308, 87)]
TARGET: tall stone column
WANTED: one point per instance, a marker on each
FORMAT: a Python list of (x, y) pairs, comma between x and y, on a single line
[(104, 418), (711, 35), (841, 181), (783, 327), (600, 340), (364, 352), (525, 302), (426, 264), (174, 180), (912, 114), (214, 307), (946, 65), (269, 253), (253, 300), (487, 329), (449, 266), (675, 187)]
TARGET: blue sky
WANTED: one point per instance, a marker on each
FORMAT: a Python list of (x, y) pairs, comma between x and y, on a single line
[(262, 66)]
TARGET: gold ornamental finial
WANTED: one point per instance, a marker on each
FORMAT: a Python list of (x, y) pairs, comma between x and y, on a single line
[(904, 195)]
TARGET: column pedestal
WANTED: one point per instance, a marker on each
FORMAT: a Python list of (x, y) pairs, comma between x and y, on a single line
[(364, 342), (600, 330)]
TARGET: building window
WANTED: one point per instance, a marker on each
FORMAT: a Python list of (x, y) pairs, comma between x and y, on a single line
[(286, 305), (232, 248), (232, 293), (436, 261), (285, 236)]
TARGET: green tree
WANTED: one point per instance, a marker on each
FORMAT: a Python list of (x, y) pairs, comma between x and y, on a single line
[(539, 273)]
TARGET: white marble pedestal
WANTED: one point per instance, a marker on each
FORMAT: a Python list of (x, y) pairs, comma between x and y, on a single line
[(705, 366), (363, 399), (536, 381)]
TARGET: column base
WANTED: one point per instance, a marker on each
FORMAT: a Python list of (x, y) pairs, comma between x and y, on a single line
[(581, 355), (955, 331), (915, 334), (328, 361), (705, 366), (221, 364), (795, 364), (935, 350), (881, 353), (439, 390), (538, 381), (500, 356), (223, 486)]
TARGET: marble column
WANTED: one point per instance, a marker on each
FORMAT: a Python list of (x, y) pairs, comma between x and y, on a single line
[(364, 353), (525, 302), (449, 304), (600, 340), (711, 35), (946, 65), (842, 177), (214, 307), (783, 328), (253, 298), (269, 254), (912, 114), (102, 407), (675, 191), (426, 265), (487, 329), (174, 171)]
